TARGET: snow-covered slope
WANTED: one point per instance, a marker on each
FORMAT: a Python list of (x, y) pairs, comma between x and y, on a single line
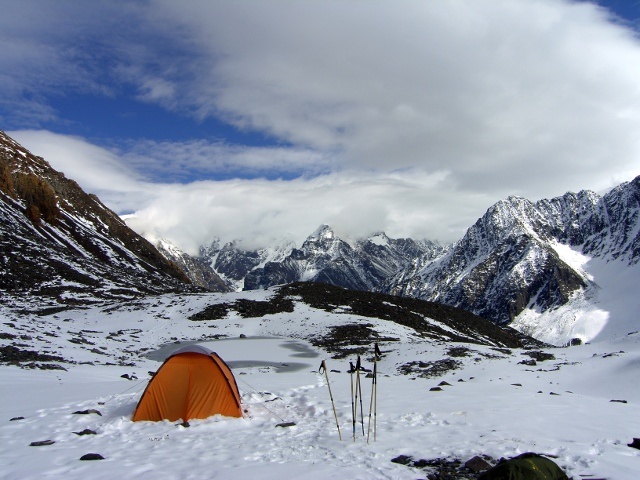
[(605, 309), (574, 404), (559, 269)]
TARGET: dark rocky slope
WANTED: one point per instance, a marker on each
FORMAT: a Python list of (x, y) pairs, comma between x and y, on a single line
[(62, 245)]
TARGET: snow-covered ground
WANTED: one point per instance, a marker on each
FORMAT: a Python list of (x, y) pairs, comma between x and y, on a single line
[(607, 308), (494, 404)]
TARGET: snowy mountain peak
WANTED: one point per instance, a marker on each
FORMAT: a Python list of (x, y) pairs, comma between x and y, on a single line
[(380, 239), (533, 264), (323, 233), (546, 262)]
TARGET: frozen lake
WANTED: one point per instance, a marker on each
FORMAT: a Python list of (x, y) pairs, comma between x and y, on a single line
[(280, 354)]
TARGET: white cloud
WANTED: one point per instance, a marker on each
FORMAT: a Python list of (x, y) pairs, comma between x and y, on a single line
[(411, 117), (51, 49), (410, 203), (156, 90), (184, 161), (499, 93)]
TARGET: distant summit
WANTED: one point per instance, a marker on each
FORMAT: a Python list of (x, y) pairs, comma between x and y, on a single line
[(546, 267)]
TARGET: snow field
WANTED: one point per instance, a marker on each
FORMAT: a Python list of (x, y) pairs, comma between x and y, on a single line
[(494, 405)]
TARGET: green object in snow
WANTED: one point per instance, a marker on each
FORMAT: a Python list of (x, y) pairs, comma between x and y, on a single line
[(528, 466)]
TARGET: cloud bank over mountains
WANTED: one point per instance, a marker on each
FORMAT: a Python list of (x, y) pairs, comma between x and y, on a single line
[(408, 117)]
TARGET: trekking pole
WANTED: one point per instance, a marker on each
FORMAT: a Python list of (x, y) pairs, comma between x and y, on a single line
[(374, 395), (377, 354), (373, 392), (353, 405), (323, 367), (359, 389)]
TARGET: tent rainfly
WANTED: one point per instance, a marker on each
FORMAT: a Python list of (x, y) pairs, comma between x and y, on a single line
[(193, 382)]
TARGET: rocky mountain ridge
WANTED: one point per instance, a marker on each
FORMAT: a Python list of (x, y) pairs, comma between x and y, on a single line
[(63, 247), (361, 264), (517, 257), (512, 257)]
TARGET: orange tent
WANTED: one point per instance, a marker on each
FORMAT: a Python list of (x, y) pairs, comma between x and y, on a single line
[(193, 382)]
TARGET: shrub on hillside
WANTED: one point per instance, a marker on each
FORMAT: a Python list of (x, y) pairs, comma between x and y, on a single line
[(6, 182), (39, 197)]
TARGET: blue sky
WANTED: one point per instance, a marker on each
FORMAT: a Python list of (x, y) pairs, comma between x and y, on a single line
[(256, 119)]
